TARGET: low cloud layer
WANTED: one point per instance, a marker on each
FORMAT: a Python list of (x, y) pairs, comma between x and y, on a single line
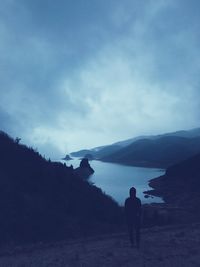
[(87, 73)]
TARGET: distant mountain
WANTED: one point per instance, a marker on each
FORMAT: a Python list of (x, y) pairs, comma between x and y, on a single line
[(97, 153), (183, 133), (159, 152), (42, 200), (81, 153), (180, 184), (104, 151)]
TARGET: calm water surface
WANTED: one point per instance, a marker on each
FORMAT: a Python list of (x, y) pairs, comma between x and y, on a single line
[(115, 180)]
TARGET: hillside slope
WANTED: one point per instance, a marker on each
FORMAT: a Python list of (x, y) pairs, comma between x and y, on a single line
[(161, 247), (161, 152), (180, 184), (44, 200)]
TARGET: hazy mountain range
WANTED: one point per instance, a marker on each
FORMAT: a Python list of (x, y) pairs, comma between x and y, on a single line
[(150, 151)]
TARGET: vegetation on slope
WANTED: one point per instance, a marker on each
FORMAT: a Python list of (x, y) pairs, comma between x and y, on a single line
[(44, 200), (180, 184)]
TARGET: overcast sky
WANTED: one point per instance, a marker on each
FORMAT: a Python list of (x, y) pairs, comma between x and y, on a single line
[(82, 73)]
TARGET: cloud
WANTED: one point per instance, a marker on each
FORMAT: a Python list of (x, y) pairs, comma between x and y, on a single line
[(122, 102), (87, 74)]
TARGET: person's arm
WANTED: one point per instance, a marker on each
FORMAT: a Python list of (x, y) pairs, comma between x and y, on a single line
[(139, 208), (125, 205), (126, 208)]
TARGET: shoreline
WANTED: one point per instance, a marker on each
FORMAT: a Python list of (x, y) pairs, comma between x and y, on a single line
[(137, 164)]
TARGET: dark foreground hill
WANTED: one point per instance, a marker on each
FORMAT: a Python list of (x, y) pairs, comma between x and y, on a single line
[(174, 246), (180, 185), (161, 152), (44, 200)]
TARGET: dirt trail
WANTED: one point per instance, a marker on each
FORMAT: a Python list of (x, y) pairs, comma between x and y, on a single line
[(161, 246)]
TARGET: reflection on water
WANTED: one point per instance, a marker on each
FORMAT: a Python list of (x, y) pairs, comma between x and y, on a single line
[(115, 180)]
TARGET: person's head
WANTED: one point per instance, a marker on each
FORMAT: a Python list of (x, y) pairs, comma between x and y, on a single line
[(132, 192)]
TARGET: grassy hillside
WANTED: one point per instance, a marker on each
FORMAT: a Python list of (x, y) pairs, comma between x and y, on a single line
[(44, 200), (180, 184), (161, 247)]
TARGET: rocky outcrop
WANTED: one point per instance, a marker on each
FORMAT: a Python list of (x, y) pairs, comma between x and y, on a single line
[(84, 170), (67, 157)]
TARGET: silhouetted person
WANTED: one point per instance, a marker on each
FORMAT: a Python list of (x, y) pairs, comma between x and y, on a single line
[(133, 216)]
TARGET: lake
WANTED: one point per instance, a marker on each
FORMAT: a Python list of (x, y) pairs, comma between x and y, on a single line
[(115, 179)]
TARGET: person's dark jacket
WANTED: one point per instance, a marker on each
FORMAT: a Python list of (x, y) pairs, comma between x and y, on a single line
[(133, 209)]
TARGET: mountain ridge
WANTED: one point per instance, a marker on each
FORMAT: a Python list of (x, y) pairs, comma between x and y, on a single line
[(161, 152), (113, 152)]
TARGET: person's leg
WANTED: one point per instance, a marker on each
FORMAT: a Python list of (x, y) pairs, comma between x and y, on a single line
[(130, 232), (137, 234)]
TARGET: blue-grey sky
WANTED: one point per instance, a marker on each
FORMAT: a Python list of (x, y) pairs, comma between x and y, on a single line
[(82, 73)]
